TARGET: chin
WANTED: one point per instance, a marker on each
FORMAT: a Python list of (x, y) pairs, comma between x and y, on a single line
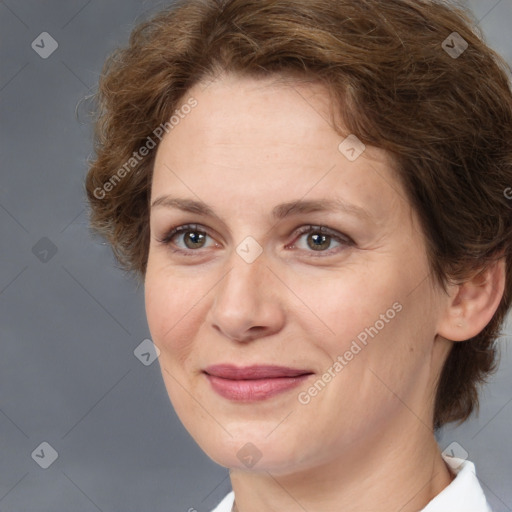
[(253, 449)]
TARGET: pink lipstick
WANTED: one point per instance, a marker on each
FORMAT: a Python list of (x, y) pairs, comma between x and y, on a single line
[(252, 383)]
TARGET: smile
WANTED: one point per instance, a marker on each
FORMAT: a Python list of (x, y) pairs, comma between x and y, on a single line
[(253, 383)]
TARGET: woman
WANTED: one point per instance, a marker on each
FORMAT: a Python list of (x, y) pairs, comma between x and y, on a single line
[(312, 192)]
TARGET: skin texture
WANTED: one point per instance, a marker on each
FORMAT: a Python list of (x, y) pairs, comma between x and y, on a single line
[(365, 441)]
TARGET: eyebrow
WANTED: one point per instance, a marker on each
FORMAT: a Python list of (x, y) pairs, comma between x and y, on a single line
[(279, 212)]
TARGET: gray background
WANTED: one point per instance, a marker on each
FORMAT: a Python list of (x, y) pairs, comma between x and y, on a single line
[(70, 320)]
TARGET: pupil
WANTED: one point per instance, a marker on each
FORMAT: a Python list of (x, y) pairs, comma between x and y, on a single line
[(319, 242), (194, 237)]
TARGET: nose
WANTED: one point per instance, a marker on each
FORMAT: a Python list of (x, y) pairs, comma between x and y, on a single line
[(248, 302)]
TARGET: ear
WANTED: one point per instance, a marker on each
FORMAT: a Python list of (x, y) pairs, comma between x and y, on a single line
[(472, 304)]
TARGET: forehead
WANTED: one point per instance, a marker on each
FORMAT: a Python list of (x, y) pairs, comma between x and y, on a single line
[(241, 108), (268, 139)]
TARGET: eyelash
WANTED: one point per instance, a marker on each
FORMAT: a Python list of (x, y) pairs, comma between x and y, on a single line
[(334, 235)]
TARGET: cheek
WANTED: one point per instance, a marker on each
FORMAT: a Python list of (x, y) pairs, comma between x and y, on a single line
[(385, 345), (171, 311), (345, 305), (368, 317)]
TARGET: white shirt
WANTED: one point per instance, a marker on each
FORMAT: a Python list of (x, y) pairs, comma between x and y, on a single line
[(463, 494)]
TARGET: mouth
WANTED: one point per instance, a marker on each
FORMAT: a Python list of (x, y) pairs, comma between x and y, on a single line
[(253, 383)]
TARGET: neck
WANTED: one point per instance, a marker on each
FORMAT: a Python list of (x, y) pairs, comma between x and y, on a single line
[(385, 474)]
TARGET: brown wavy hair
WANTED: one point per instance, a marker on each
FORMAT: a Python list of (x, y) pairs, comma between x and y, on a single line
[(446, 119)]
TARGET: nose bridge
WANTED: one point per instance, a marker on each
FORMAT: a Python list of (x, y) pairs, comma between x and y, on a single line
[(242, 300), (245, 279)]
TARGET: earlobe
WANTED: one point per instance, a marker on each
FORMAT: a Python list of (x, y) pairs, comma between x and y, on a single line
[(472, 304)]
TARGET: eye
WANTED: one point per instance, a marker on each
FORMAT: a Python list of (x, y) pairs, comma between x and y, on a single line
[(320, 239), (190, 236)]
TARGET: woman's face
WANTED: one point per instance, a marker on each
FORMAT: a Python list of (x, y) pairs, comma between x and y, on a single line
[(351, 312)]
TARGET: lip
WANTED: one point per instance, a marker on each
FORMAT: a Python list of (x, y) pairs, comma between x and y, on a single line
[(253, 383)]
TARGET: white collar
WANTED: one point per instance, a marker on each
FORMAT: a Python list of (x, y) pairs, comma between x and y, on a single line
[(463, 494)]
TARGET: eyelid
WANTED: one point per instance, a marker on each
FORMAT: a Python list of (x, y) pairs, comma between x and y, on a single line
[(316, 228), (179, 229), (345, 241), (172, 232)]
